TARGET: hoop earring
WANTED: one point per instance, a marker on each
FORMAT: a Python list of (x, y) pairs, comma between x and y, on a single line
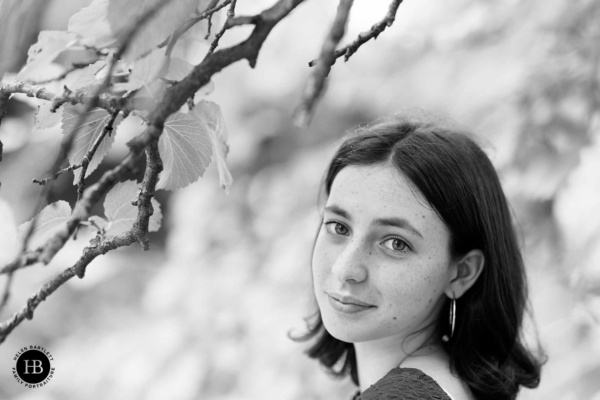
[(451, 320)]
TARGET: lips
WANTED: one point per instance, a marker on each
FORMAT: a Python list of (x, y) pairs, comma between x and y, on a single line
[(347, 304)]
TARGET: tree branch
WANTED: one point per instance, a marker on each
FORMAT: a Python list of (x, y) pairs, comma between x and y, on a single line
[(154, 166), (175, 97), (364, 37), (83, 207), (147, 142), (242, 20), (94, 100), (138, 232), (78, 269), (315, 86), (54, 244), (106, 101)]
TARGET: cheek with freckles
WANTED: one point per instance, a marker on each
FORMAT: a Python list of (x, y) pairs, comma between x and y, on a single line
[(412, 298)]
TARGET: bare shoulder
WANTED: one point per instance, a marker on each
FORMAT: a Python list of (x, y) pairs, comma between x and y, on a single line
[(438, 367)]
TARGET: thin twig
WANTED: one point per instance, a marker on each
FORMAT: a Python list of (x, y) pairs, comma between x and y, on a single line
[(85, 161), (57, 174), (74, 67), (208, 13), (25, 259), (386, 22), (215, 42), (90, 154), (210, 6), (315, 85)]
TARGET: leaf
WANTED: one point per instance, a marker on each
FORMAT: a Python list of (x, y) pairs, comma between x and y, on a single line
[(50, 220), (9, 245), (147, 97), (178, 69), (123, 14), (91, 129), (86, 78), (40, 55), (211, 114), (185, 149), (145, 70), (122, 214), (43, 118), (92, 27)]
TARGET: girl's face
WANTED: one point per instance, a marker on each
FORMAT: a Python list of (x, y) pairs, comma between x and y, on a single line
[(381, 259)]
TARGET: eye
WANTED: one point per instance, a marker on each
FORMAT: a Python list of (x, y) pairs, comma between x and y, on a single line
[(396, 244), (337, 228)]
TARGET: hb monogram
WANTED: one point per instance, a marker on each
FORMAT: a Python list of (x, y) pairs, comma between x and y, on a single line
[(36, 366)]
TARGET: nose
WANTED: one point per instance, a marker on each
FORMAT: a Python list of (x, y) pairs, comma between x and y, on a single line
[(350, 265)]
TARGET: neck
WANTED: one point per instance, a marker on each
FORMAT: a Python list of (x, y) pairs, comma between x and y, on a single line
[(376, 358)]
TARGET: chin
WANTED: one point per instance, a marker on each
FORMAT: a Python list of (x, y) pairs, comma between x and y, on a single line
[(350, 336), (347, 332)]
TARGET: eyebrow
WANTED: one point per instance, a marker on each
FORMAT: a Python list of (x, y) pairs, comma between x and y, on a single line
[(392, 221)]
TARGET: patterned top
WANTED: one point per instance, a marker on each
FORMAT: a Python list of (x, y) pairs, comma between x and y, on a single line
[(404, 384)]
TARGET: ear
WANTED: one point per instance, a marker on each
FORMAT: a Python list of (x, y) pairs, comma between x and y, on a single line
[(464, 273)]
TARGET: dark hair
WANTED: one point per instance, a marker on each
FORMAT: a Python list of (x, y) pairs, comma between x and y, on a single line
[(459, 181)]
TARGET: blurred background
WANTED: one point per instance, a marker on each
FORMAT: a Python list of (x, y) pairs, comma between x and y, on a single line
[(206, 313)]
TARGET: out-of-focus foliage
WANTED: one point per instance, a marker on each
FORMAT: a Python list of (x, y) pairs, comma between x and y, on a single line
[(21, 19), (207, 315)]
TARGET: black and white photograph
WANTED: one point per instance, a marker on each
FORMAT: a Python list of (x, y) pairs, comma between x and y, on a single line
[(299, 200)]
